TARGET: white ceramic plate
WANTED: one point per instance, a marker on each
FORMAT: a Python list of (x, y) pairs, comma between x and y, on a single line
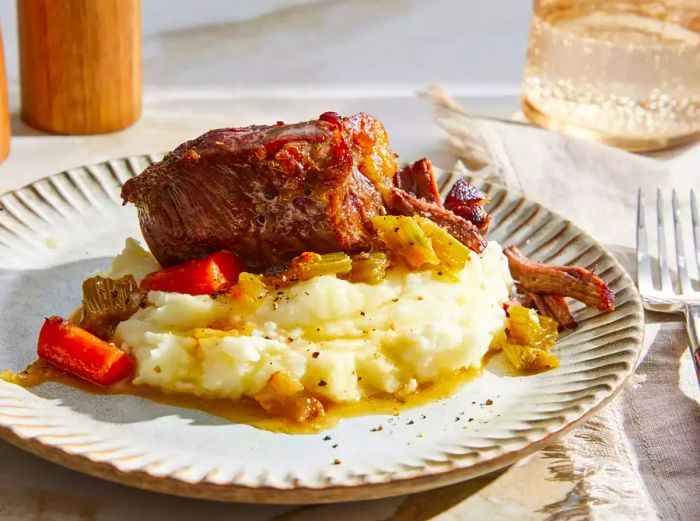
[(55, 231)]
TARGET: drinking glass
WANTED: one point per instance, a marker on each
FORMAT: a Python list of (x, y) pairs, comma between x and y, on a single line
[(625, 72)]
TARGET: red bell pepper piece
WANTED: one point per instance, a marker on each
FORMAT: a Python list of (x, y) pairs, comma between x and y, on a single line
[(196, 277), (71, 348)]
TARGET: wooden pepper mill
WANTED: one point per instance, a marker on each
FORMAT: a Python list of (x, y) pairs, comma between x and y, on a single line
[(4, 107), (80, 64)]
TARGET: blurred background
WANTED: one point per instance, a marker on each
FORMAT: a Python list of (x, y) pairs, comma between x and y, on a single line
[(221, 63), (243, 44)]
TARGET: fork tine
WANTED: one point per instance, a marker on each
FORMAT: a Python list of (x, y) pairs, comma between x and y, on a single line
[(644, 281), (695, 219), (665, 272), (686, 287)]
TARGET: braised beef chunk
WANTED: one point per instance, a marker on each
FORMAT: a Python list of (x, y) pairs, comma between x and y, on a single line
[(403, 203), (468, 201), (418, 179), (266, 192), (556, 307), (565, 281)]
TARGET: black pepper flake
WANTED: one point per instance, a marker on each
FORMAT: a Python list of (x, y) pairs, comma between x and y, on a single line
[(335, 446), (489, 402), (471, 419), (359, 379), (377, 428), (456, 418), (422, 416), (336, 461), (322, 383), (394, 300), (362, 313), (411, 422), (439, 274), (396, 230), (315, 354), (318, 329), (326, 438)]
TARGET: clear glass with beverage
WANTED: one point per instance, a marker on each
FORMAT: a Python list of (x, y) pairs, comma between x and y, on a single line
[(623, 72)]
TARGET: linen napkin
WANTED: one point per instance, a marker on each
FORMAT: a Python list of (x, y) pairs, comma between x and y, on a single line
[(639, 458)]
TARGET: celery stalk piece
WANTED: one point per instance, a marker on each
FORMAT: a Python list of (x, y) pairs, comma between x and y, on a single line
[(106, 302), (405, 239), (314, 264), (249, 292), (529, 339), (527, 327), (369, 268), (453, 254), (529, 359)]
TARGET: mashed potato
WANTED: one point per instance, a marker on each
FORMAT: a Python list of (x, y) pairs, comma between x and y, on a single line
[(341, 340)]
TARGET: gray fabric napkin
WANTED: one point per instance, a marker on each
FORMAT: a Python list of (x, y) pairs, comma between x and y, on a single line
[(662, 418)]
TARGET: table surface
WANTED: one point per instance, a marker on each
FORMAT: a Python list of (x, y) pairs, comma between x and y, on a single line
[(235, 64)]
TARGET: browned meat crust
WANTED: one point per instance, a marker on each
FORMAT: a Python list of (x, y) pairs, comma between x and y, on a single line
[(419, 179), (556, 307), (566, 281), (369, 146), (468, 201), (406, 204), (266, 192)]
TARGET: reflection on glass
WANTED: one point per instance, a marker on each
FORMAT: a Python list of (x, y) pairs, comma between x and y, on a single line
[(622, 72)]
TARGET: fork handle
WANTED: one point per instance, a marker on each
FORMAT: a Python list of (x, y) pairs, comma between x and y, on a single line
[(692, 321)]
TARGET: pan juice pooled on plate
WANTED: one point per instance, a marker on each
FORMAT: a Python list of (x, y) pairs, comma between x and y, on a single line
[(299, 269)]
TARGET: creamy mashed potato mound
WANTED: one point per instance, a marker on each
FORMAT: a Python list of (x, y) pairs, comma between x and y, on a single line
[(341, 340)]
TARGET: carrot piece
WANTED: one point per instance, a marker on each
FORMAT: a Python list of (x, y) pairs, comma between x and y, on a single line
[(196, 277), (71, 348)]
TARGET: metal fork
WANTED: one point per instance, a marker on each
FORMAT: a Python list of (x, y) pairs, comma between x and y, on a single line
[(666, 299)]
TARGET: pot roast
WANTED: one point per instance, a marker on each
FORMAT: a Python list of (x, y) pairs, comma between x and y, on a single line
[(269, 193), (266, 193)]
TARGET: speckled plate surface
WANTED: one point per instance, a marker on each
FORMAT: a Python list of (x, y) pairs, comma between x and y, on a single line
[(55, 231)]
